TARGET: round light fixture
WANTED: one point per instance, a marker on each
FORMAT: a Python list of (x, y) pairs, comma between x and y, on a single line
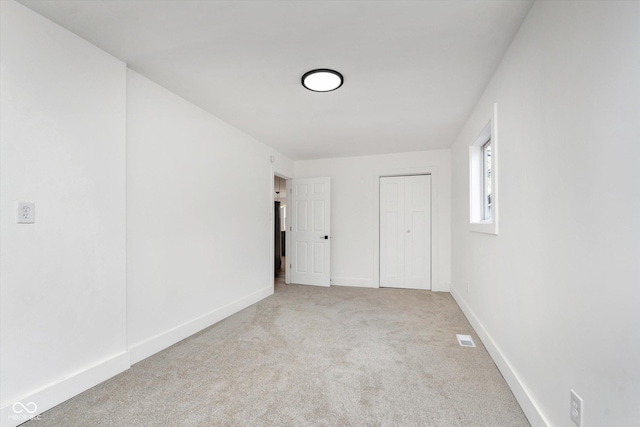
[(322, 80)]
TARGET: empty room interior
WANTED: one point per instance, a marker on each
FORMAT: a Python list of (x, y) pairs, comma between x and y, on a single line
[(393, 213)]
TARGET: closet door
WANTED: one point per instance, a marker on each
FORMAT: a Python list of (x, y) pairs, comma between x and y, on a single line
[(405, 232), (417, 224), (392, 232)]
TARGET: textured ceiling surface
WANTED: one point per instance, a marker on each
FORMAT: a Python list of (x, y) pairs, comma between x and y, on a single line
[(413, 69)]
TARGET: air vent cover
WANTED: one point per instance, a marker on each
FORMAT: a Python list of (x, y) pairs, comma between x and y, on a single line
[(465, 340)]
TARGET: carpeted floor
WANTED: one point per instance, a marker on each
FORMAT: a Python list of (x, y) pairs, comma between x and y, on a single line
[(310, 356)]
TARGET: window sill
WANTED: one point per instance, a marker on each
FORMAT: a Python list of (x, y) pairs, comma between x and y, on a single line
[(484, 227)]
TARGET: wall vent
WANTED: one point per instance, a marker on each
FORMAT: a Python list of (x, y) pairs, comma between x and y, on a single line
[(465, 340)]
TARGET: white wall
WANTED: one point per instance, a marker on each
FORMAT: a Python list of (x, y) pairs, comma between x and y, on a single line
[(555, 295), (355, 211), (62, 147), (153, 218), (199, 212)]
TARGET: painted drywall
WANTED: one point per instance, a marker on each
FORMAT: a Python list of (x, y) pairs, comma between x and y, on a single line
[(555, 295), (199, 218), (62, 131), (355, 211)]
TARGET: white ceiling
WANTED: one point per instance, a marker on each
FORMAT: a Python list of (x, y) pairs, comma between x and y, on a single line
[(413, 69)]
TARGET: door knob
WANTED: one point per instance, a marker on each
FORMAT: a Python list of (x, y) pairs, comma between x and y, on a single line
[(324, 237), (408, 231)]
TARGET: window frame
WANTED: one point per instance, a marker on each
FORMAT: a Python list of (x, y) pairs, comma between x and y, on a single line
[(478, 182), (485, 203)]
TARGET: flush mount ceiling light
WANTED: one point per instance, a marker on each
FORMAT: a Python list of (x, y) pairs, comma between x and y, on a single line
[(322, 80)]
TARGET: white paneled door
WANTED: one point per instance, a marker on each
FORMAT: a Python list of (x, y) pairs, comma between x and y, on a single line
[(405, 232), (310, 231)]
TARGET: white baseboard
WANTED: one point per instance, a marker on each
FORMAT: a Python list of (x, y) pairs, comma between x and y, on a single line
[(441, 288), (369, 283), (520, 391), (150, 346), (351, 281), (56, 393)]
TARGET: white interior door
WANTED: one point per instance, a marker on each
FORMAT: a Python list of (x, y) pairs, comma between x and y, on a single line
[(392, 231), (405, 232), (310, 231)]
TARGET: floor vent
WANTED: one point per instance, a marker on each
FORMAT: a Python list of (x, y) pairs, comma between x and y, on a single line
[(465, 340)]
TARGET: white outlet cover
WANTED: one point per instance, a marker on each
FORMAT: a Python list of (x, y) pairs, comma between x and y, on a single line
[(25, 213)]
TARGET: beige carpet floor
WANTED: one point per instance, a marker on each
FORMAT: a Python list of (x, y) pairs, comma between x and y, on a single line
[(310, 356)]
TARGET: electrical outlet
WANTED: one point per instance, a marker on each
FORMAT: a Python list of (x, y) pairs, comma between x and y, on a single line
[(576, 408), (25, 213)]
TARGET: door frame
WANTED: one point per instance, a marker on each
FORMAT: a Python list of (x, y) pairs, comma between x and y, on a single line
[(435, 220), (272, 242)]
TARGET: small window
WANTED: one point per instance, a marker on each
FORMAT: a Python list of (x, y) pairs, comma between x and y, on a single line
[(482, 182)]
